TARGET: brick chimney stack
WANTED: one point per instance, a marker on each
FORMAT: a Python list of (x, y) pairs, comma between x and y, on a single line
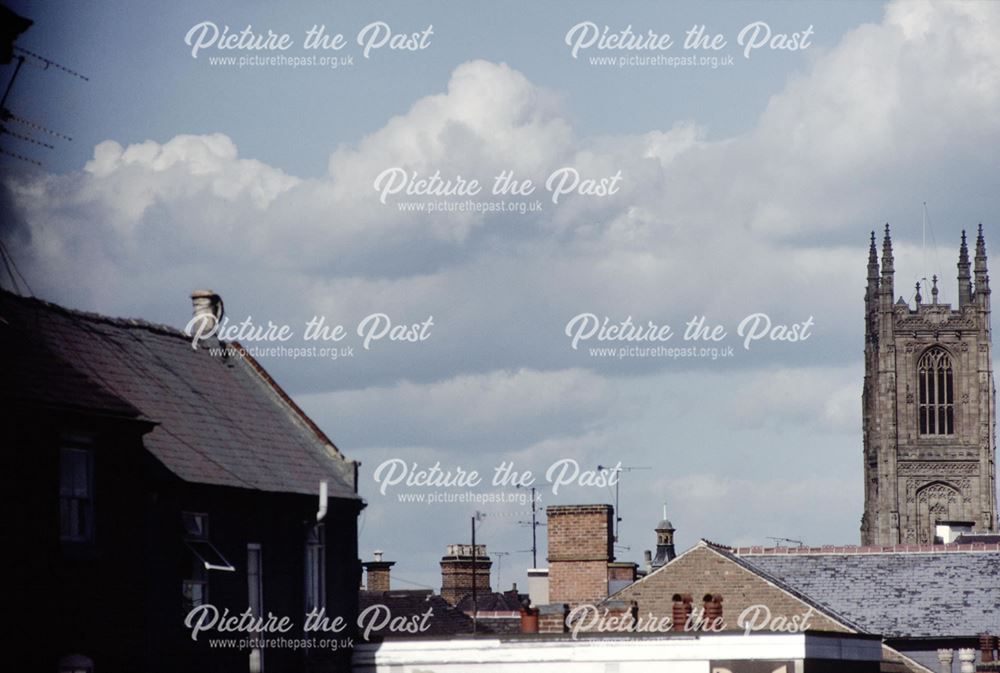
[(456, 572), (377, 573), (580, 549)]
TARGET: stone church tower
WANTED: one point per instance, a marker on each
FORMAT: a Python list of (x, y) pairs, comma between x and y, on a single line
[(929, 406)]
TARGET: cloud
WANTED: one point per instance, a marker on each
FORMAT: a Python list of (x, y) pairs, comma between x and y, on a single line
[(834, 153), (736, 511), (495, 411), (823, 399), (772, 220)]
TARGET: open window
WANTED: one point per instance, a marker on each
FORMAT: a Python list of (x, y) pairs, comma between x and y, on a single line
[(205, 558), (197, 540)]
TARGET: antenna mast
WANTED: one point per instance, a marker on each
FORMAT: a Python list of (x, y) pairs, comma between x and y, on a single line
[(619, 469), (923, 228)]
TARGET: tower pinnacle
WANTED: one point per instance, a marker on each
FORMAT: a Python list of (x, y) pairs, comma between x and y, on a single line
[(964, 278), (982, 276), (887, 268)]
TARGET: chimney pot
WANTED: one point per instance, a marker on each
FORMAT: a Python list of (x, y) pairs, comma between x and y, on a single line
[(207, 306), (681, 611), (946, 657), (967, 660), (987, 644)]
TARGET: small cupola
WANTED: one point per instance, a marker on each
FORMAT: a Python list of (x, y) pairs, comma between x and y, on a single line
[(665, 552)]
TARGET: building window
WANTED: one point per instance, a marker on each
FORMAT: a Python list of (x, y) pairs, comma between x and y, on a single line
[(255, 599), (76, 494), (205, 558), (255, 580), (315, 567), (935, 382)]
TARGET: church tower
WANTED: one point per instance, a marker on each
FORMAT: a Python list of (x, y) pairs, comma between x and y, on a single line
[(928, 406)]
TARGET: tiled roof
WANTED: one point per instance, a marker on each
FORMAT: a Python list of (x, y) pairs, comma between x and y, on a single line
[(915, 591), (218, 420)]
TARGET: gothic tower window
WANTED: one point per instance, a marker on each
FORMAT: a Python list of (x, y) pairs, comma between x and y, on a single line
[(935, 381)]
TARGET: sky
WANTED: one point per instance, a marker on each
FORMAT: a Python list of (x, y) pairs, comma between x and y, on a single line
[(728, 192)]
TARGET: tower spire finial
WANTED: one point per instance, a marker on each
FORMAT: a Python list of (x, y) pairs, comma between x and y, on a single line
[(982, 277), (964, 277), (918, 297), (887, 260)]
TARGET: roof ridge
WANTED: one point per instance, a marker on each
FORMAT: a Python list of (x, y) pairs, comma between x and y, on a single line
[(860, 550), (128, 323)]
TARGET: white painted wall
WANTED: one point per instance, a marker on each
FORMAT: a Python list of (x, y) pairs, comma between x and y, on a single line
[(676, 654)]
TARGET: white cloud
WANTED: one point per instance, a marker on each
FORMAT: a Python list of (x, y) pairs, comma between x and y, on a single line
[(498, 410), (822, 398), (736, 511), (830, 153), (772, 220)]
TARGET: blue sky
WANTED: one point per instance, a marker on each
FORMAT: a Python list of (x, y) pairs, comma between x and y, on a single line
[(144, 85), (745, 189)]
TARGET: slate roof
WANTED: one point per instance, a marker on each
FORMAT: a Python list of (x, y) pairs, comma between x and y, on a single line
[(925, 591), (507, 601), (973, 538), (218, 420), (444, 621), (729, 553)]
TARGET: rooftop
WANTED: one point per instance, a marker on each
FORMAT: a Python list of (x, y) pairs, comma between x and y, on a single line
[(912, 591), (216, 420)]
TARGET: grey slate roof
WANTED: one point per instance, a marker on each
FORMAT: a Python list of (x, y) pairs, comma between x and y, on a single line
[(953, 591), (445, 620), (218, 420), (507, 601)]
